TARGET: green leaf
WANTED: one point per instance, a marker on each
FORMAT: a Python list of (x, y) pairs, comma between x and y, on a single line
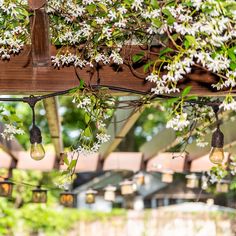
[(72, 164), (171, 101), (137, 57), (192, 98), (87, 118), (190, 39), (170, 20), (103, 7), (156, 22), (91, 8), (186, 91), (147, 66), (81, 84), (166, 12), (232, 65), (66, 161), (166, 50), (81, 124), (154, 4), (87, 132), (232, 54)]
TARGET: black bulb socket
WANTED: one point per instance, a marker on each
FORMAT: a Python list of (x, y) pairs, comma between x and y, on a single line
[(217, 140), (35, 135)]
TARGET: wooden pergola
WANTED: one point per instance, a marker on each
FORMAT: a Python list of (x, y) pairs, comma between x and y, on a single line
[(31, 72)]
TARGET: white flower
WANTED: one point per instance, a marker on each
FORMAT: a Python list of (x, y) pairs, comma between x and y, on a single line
[(122, 10), (103, 138), (112, 15), (197, 3), (228, 104), (213, 179), (83, 103), (116, 58), (178, 122), (101, 20), (11, 130), (136, 5), (152, 78)]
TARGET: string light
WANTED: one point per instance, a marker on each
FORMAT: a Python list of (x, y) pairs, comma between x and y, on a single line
[(68, 199), (37, 151), (192, 181), (90, 196), (109, 194), (216, 155), (167, 176), (6, 187), (139, 179), (39, 195), (127, 187)]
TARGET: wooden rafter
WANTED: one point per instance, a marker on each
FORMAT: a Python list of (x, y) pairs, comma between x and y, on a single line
[(17, 78), (122, 122), (53, 118), (159, 143)]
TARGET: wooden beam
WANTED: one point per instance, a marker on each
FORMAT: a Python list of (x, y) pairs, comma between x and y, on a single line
[(123, 120), (165, 161), (120, 161), (54, 123), (17, 76), (159, 143)]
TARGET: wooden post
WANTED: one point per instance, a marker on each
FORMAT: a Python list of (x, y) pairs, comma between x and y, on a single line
[(40, 41)]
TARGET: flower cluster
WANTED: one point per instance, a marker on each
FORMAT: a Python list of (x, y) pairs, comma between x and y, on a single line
[(97, 109), (179, 122), (14, 30), (217, 173), (228, 104), (10, 131)]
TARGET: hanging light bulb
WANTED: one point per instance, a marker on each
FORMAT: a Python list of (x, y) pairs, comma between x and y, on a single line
[(37, 151), (110, 194), (90, 196), (68, 199), (6, 188), (216, 155), (139, 179), (39, 195)]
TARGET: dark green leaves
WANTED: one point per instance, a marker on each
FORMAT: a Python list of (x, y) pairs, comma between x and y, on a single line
[(137, 57), (189, 40), (166, 50), (186, 91), (170, 18)]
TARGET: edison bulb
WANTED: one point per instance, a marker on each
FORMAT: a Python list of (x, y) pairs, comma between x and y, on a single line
[(37, 151), (216, 155)]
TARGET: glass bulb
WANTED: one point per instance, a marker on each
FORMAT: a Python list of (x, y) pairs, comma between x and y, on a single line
[(216, 155), (37, 151)]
